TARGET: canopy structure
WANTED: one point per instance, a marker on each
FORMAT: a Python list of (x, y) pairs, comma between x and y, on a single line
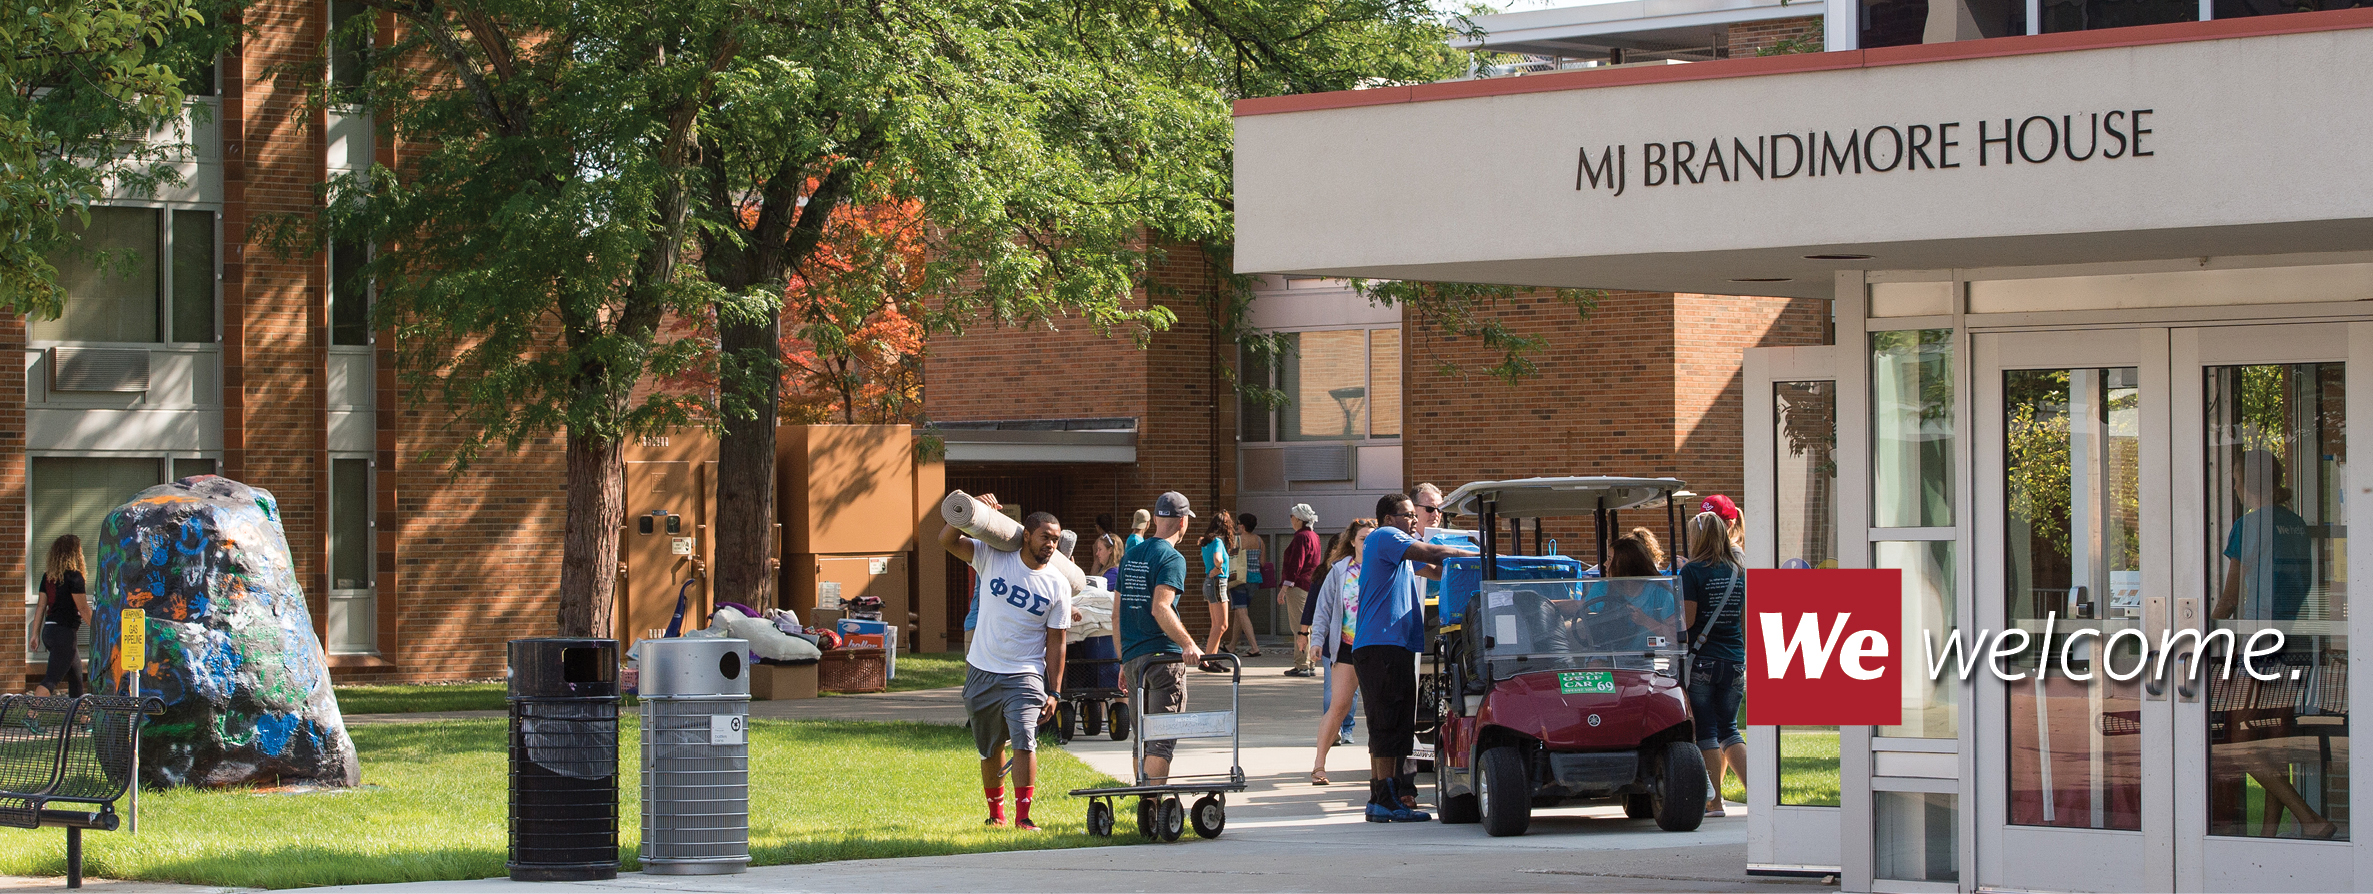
[(1552, 497)]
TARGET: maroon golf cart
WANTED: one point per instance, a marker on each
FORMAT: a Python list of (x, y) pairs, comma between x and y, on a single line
[(1564, 690)]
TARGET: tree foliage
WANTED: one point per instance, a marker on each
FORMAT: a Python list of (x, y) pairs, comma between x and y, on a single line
[(88, 80)]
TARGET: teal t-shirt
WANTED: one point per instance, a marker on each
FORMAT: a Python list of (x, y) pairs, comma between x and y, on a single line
[(1215, 556), (1145, 566)]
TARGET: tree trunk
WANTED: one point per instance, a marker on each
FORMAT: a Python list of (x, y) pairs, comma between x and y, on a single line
[(589, 552), (745, 522)]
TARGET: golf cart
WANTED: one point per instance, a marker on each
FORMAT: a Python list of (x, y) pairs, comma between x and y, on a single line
[(1573, 689)]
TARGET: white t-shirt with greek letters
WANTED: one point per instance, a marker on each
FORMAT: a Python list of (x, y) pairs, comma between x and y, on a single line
[(1018, 606)]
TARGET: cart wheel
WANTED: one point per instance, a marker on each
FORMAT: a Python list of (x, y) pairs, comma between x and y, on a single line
[(1504, 792), (1210, 816), (1100, 818), (1679, 789), (1091, 718), (1120, 725), (1146, 814), (1173, 819), (1066, 721)]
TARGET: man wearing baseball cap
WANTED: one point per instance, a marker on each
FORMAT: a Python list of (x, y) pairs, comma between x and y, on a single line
[(1146, 612)]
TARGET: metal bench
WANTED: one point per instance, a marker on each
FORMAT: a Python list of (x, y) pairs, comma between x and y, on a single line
[(65, 761)]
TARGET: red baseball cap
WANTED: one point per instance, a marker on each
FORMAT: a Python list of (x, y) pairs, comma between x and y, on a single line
[(1722, 506)]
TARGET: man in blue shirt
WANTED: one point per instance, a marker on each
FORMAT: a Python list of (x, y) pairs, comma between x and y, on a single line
[(1146, 609), (1384, 649)]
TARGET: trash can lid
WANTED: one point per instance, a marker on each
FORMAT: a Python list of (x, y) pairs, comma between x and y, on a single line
[(693, 666)]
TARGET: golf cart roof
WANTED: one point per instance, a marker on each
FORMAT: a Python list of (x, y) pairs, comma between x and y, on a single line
[(1553, 497)]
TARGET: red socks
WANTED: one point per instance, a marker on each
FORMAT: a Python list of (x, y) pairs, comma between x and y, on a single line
[(1021, 806), (997, 804)]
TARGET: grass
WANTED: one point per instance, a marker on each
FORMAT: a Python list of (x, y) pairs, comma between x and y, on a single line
[(936, 670), (434, 804), (419, 697)]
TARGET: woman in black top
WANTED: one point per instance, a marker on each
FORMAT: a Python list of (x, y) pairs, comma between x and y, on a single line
[(62, 613)]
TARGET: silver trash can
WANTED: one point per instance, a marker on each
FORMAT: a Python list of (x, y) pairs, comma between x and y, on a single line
[(696, 756)]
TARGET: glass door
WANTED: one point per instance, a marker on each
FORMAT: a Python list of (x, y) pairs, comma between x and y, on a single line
[(2073, 785), (2262, 746)]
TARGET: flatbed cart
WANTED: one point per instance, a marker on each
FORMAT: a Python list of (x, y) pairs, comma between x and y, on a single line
[(1159, 815)]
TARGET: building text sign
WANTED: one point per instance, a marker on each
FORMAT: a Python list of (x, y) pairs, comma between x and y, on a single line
[(1882, 149)]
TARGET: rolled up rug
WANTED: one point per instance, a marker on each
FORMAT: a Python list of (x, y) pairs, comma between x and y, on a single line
[(1070, 571), (971, 516)]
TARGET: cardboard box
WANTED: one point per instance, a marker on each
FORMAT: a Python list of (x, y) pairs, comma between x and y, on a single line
[(769, 682), (852, 626), (864, 641)]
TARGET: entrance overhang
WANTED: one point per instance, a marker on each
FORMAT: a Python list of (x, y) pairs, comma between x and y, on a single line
[(2251, 136)]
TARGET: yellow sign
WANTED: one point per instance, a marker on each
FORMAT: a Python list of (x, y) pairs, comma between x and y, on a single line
[(134, 647)]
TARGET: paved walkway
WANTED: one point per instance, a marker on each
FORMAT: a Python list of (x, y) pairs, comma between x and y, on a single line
[(1282, 835)]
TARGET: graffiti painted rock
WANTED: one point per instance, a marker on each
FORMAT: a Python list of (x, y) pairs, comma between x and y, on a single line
[(231, 648)]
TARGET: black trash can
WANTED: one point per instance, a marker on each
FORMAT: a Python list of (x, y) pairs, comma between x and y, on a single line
[(564, 760)]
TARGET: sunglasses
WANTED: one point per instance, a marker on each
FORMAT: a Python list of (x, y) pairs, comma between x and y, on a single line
[(1437, 510)]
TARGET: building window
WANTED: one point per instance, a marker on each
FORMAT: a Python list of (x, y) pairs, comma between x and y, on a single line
[(115, 290), (350, 295), (1911, 408), (350, 50), (1916, 836), (353, 621), (1340, 384)]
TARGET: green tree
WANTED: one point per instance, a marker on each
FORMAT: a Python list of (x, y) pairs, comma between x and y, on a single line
[(581, 171), (86, 80)]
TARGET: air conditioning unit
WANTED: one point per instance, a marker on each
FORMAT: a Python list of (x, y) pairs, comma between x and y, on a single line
[(98, 369), (1322, 462)]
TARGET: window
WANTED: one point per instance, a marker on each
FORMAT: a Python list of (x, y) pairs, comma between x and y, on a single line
[(353, 620), (1340, 384), (1917, 836), (350, 295), (1911, 408), (350, 49), (114, 290)]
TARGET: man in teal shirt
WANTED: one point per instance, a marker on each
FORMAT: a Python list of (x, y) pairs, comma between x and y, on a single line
[(1152, 576)]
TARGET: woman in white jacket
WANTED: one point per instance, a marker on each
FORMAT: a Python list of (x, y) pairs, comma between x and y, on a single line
[(1334, 614)]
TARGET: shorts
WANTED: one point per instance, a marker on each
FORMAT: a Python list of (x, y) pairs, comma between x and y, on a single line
[(1716, 687), (1388, 690), (1240, 596), (1213, 591), (1004, 707), (1165, 692)]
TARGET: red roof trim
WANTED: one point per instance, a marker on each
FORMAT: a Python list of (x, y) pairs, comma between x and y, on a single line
[(2107, 38)]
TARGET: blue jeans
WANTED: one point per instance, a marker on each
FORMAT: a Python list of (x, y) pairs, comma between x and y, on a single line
[(1326, 697), (1716, 687)]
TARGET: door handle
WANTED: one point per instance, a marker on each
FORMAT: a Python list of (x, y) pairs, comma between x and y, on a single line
[(2187, 617), (2154, 623)]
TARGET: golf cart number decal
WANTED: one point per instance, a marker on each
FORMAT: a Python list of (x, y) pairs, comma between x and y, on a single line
[(1586, 682)]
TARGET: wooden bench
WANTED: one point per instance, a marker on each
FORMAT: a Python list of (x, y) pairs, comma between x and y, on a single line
[(65, 761)]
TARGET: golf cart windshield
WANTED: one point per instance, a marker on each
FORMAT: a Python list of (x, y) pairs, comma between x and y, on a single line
[(1534, 625)]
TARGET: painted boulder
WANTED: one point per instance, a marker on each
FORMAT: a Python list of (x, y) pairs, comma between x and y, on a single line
[(231, 648)]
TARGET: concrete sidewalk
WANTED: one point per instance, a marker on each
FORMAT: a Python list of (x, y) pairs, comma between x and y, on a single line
[(1283, 834)]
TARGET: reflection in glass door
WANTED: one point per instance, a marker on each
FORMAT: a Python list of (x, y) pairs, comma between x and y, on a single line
[(2277, 740), (2073, 568)]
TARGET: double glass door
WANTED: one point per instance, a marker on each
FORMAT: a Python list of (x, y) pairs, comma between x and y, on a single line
[(2154, 481)]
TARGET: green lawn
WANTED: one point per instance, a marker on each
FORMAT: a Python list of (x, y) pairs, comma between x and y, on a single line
[(918, 671), (434, 804)]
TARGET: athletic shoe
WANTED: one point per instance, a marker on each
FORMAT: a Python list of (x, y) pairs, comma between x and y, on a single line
[(1343, 739), (1406, 815), (1378, 813), (994, 821), (1300, 672), (1025, 826)]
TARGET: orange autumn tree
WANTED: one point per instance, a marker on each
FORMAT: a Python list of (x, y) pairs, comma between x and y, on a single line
[(851, 352)]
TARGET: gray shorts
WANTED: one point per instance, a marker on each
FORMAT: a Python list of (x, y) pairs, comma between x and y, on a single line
[(1004, 708), (1165, 693), (1214, 590)]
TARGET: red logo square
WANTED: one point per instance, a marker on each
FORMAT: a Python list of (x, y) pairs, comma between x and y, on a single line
[(1824, 647)]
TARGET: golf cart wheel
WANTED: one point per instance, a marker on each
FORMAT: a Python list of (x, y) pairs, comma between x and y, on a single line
[(1066, 722), (1453, 808), (1100, 818), (1091, 718), (1210, 816), (1680, 788), (1147, 814), (1172, 822), (1120, 725), (1639, 806), (1503, 792)]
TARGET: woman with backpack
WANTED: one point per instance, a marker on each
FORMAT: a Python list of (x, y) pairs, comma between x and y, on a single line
[(62, 613)]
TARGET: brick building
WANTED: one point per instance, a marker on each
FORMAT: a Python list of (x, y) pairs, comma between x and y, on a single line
[(218, 355)]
